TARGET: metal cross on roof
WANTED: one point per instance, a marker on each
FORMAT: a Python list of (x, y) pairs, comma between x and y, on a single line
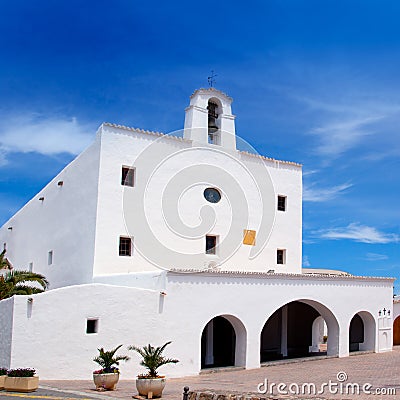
[(211, 78)]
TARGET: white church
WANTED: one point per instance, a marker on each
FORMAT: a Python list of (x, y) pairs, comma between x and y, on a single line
[(147, 238)]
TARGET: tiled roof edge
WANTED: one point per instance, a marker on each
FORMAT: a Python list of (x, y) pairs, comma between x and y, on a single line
[(160, 134), (277, 275)]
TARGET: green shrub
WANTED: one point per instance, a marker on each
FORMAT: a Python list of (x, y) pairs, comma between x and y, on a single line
[(21, 372)]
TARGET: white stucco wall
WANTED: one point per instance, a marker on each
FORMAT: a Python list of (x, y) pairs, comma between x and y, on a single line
[(64, 223), (53, 331), (167, 215), (155, 280), (6, 331), (165, 212)]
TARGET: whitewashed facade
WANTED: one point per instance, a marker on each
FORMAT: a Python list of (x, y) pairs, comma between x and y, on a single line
[(146, 237)]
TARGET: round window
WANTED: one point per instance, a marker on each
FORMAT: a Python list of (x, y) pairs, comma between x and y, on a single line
[(212, 195)]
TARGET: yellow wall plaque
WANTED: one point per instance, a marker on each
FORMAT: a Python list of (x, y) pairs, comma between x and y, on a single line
[(249, 237)]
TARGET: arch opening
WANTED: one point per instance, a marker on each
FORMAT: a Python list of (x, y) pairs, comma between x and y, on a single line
[(223, 343), (396, 331), (298, 329), (362, 332)]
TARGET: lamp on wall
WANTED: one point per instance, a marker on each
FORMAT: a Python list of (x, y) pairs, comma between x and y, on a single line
[(60, 183), (41, 198), (163, 294), (10, 228), (30, 300), (271, 271)]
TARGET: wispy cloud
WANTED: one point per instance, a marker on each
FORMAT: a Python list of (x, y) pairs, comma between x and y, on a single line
[(45, 135), (313, 193), (3, 157), (306, 262), (375, 257), (340, 136), (359, 233), (309, 172), (353, 119)]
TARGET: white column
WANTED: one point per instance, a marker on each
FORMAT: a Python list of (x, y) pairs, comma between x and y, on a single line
[(253, 347), (344, 338), (284, 349), (209, 358)]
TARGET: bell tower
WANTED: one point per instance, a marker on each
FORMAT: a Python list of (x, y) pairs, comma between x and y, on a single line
[(209, 119)]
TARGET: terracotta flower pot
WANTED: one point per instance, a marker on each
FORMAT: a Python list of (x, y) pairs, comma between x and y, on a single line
[(106, 381), (21, 384), (152, 387)]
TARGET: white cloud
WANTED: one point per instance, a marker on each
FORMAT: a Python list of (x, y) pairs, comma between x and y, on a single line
[(376, 257), (3, 157), (353, 119), (342, 135), (306, 262), (315, 194), (310, 172), (45, 135), (359, 233)]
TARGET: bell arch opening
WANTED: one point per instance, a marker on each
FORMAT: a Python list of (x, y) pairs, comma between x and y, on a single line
[(223, 343), (214, 109), (301, 328)]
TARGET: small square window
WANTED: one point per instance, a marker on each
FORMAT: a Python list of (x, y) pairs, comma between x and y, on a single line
[(125, 246), (281, 256), (50, 257), (211, 244), (128, 176), (92, 325), (281, 203)]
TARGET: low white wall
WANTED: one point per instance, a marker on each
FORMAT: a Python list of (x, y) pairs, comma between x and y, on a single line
[(6, 333), (51, 335)]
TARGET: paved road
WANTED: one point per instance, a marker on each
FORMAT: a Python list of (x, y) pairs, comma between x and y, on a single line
[(42, 394)]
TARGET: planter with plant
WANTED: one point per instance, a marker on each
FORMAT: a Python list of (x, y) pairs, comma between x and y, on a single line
[(107, 377), (151, 384), (21, 380), (3, 374), (323, 347)]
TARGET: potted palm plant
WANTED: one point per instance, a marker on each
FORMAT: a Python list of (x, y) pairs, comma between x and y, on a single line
[(151, 384), (21, 380), (107, 377)]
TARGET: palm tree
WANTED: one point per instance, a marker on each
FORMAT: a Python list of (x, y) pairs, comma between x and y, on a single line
[(15, 282), (153, 358), (4, 263)]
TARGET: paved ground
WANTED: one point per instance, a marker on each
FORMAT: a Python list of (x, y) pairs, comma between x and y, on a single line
[(382, 371)]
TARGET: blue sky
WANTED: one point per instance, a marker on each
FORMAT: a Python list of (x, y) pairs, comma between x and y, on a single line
[(313, 81)]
